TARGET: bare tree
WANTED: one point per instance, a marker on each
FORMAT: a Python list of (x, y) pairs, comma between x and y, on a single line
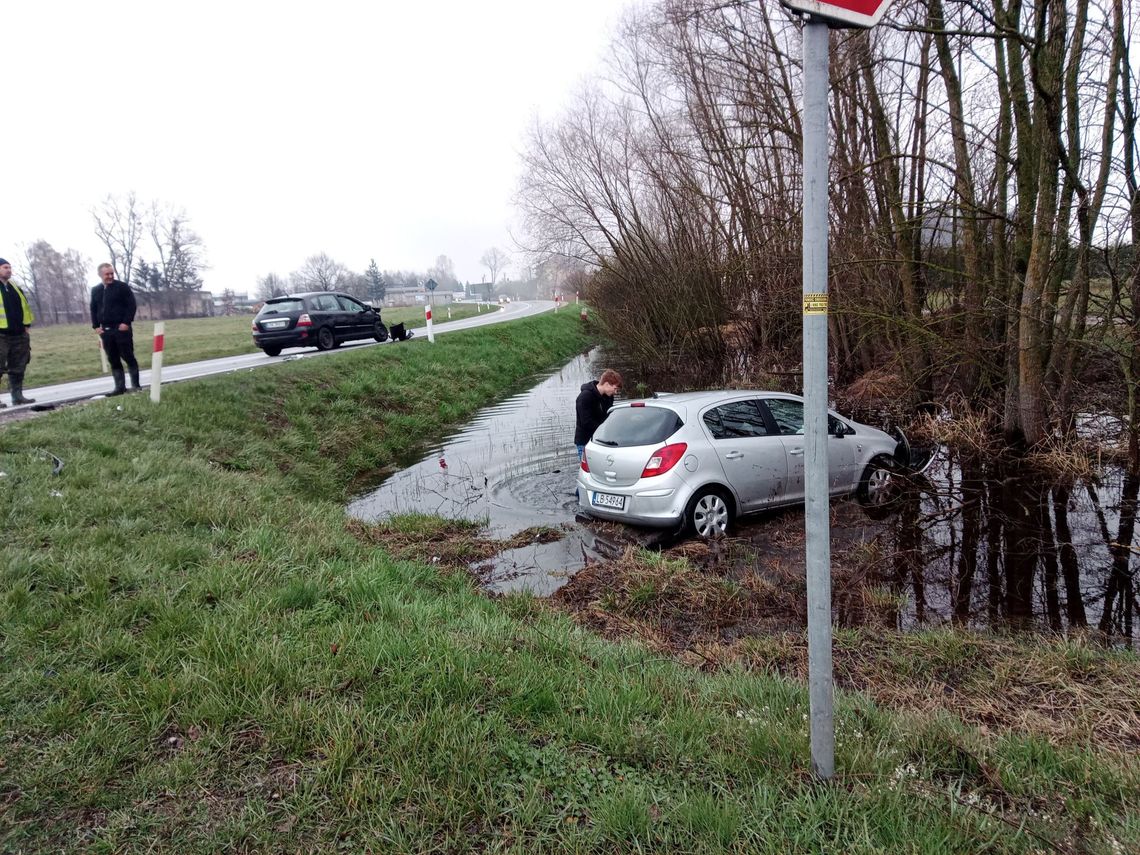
[(443, 272), (494, 259), (320, 273), (119, 225), (180, 249), (271, 285), (58, 281)]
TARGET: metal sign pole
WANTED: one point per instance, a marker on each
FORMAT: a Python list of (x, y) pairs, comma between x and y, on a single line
[(817, 515)]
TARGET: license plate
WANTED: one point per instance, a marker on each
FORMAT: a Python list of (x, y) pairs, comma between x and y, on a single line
[(274, 325), (608, 500)]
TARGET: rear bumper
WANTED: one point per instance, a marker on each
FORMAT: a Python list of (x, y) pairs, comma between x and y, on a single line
[(659, 505), (284, 338)]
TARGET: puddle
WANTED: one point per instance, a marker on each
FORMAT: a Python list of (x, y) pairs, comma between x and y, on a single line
[(513, 467)]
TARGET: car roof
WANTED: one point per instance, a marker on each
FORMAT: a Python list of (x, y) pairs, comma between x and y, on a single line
[(310, 294), (709, 396)]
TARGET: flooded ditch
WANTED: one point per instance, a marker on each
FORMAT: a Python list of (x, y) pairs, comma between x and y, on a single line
[(970, 544)]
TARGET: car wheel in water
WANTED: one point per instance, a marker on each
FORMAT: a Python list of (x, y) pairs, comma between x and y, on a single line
[(876, 483), (708, 514), (380, 333), (272, 351), (325, 339)]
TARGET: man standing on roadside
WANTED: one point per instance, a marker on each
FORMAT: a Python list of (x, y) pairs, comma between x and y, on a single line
[(112, 313), (592, 406), (15, 343)]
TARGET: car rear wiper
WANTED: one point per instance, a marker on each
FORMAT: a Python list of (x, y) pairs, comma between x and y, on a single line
[(606, 442)]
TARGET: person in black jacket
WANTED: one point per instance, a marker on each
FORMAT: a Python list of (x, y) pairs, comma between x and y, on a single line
[(592, 406), (112, 313)]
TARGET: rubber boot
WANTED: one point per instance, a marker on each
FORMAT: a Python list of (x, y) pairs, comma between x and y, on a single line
[(135, 385), (16, 384), (120, 383)]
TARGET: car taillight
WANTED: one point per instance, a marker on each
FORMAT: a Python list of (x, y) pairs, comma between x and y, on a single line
[(585, 465), (664, 459), (304, 320), (253, 326)]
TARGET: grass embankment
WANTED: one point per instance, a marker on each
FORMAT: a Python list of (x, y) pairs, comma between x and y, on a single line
[(71, 351), (201, 655)]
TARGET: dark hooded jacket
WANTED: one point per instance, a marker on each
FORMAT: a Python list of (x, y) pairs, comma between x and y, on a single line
[(590, 411)]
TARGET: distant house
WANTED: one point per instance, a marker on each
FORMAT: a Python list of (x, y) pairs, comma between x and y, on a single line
[(404, 295), (239, 304), (163, 305)]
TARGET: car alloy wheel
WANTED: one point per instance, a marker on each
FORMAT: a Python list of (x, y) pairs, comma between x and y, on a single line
[(875, 485), (325, 339), (709, 515)]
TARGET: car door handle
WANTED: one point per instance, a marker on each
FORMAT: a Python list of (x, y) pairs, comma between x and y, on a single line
[(734, 455), (796, 452)]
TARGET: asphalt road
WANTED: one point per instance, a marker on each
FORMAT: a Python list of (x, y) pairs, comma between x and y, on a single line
[(81, 390)]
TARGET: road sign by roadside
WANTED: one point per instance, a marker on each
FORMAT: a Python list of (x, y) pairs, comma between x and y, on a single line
[(431, 284), (850, 13)]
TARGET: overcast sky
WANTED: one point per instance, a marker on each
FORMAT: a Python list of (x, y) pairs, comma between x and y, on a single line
[(361, 129)]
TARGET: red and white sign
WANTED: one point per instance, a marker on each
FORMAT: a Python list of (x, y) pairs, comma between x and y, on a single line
[(852, 13)]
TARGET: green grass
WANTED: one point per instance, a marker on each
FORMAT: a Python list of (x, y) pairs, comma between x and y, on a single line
[(71, 351), (199, 656)]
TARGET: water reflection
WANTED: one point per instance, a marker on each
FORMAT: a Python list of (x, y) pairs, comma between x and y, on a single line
[(986, 544)]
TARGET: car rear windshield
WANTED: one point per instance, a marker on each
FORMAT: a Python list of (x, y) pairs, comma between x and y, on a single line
[(637, 426), (280, 307)]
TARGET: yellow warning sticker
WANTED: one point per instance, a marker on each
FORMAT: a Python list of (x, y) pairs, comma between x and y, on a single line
[(815, 304)]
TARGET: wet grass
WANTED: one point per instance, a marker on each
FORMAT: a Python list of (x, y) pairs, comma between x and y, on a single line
[(69, 352), (201, 654)]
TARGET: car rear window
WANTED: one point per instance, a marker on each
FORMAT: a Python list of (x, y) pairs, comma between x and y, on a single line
[(279, 307), (637, 426)]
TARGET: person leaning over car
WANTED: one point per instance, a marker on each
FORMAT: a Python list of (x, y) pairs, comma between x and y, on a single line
[(112, 313), (592, 406), (15, 343)]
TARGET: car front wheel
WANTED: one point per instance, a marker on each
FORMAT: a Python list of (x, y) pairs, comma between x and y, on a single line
[(708, 514), (876, 481), (325, 339), (380, 333)]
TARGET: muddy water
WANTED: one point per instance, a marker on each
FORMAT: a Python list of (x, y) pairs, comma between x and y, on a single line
[(512, 468), (975, 544)]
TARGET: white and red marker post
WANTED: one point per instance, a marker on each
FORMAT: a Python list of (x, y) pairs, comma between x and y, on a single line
[(427, 317), (156, 361)]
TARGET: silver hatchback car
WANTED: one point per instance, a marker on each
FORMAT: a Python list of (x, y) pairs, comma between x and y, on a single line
[(700, 459)]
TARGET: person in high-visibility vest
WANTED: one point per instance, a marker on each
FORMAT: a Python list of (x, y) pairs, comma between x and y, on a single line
[(15, 343)]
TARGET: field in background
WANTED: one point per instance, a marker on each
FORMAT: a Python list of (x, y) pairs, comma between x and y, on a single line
[(69, 352)]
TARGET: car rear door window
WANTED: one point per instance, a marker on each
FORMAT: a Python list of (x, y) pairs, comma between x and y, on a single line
[(631, 426), (735, 420), (326, 303)]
